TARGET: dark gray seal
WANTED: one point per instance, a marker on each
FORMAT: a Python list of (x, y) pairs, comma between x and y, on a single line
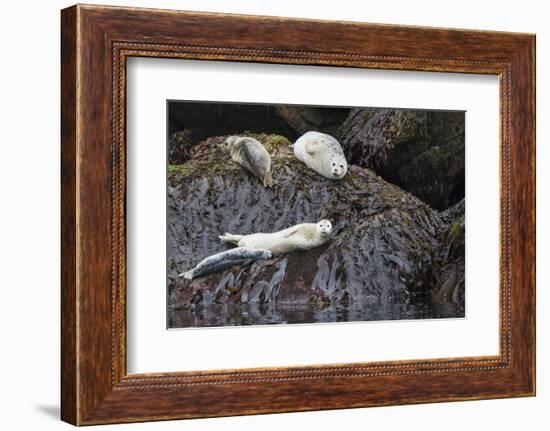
[(226, 259)]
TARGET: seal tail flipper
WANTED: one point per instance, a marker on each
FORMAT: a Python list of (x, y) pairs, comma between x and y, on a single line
[(188, 275), (268, 179), (229, 237)]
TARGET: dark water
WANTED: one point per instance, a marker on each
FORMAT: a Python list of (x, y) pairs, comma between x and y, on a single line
[(274, 313)]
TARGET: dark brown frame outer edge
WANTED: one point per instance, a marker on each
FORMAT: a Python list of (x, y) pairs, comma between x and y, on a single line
[(95, 43)]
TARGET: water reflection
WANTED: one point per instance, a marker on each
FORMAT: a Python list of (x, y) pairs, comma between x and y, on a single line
[(275, 313)]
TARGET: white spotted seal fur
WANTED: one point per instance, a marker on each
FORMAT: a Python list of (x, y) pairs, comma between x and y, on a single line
[(322, 153), (226, 259), (305, 236), (251, 155)]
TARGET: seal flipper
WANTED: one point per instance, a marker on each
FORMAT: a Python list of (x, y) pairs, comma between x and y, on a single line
[(292, 232), (268, 179), (188, 275), (311, 147), (229, 237)]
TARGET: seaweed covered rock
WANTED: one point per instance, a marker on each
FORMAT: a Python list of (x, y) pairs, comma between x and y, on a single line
[(385, 245), (420, 151), (450, 286), (226, 118), (306, 118), (180, 145)]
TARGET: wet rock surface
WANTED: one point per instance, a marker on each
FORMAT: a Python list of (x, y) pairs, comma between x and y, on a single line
[(389, 257), (307, 118), (420, 151), (181, 143), (450, 286), (212, 119)]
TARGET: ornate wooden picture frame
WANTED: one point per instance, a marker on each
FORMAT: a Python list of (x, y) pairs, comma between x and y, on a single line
[(96, 41)]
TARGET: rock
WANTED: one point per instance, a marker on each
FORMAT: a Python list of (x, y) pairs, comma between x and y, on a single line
[(386, 246), (226, 119), (306, 118), (450, 286), (420, 151), (454, 213), (180, 145)]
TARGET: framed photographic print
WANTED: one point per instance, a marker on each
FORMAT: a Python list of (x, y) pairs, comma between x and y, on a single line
[(321, 214), (342, 244)]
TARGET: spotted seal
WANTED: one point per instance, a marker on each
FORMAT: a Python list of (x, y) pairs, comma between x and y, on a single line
[(305, 236), (322, 153), (251, 155)]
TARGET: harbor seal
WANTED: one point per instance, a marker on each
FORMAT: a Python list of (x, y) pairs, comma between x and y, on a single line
[(305, 236), (226, 259), (251, 155), (322, 153)]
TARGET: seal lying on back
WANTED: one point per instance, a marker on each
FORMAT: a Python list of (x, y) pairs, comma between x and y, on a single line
[(322, 153), (305, 236), (251, 155), (220, 261)]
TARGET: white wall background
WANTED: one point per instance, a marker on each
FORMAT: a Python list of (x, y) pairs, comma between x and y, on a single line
[(29, 214)]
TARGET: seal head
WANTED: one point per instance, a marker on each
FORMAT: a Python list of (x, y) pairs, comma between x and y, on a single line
[(338, 167), (324, 228), (228, 143)]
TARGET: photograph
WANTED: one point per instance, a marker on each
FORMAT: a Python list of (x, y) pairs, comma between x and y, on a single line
[(288, 214)]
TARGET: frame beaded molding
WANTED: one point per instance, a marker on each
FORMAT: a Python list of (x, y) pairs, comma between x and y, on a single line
[(123, 49)]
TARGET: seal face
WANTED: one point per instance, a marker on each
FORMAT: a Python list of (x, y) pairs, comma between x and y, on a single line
[(322, 153), (324, 228), (304, 236), (251, 155), (226, 259)]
